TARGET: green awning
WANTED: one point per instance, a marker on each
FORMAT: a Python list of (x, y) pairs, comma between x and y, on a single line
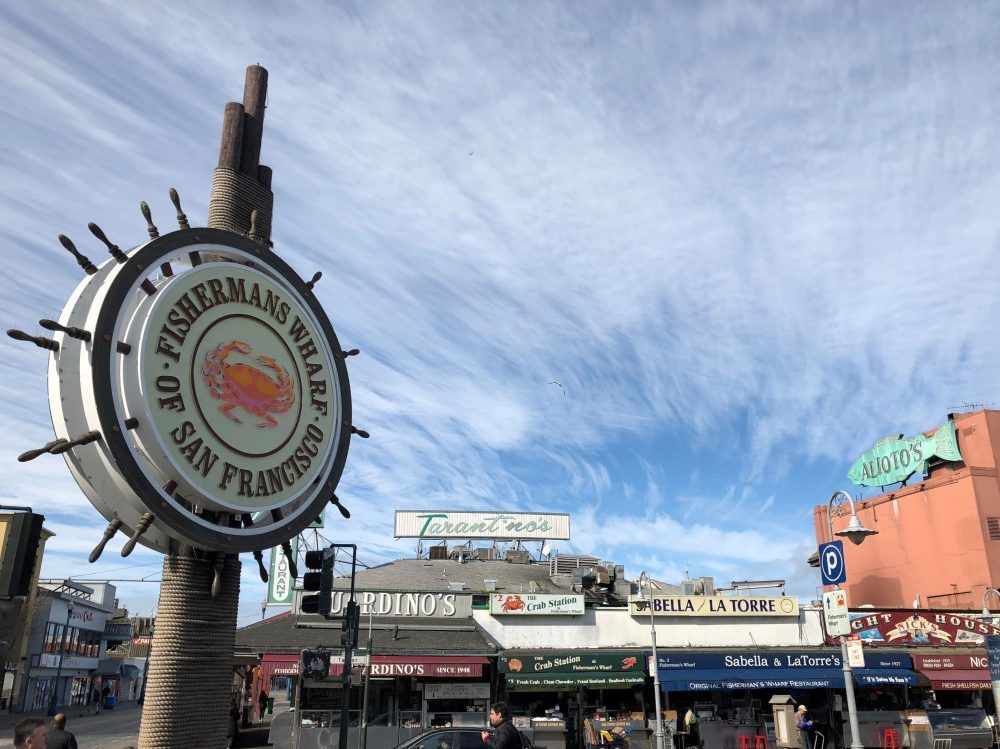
[(129, 671), (549, 680)]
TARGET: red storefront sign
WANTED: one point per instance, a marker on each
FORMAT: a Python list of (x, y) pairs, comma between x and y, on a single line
[(919, 627), (949, 672), (443, 668), (287, 664)]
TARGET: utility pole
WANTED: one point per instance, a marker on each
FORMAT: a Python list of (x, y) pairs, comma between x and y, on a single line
[(363, 733)]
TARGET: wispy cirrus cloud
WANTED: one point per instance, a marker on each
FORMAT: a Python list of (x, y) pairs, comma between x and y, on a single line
[(746, 240)]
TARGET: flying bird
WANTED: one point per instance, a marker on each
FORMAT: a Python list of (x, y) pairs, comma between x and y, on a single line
[(560, 386)]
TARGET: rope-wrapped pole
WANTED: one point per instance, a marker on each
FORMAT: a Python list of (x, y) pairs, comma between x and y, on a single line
[(190, 665)]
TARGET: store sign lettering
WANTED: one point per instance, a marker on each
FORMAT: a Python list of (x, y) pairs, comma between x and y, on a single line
[(390, 603), (920, 627), (716, 606), (537, 604), (894, 460)]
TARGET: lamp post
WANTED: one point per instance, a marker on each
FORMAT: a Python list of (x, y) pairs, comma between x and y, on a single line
[(54, 699), (660, 736), (994, 683), (363, 733), (856, 533)]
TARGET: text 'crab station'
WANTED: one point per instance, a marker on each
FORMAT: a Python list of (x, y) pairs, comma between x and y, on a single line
[(194, 444)]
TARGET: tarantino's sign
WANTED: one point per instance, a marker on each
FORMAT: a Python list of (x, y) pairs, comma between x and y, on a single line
[(491, 525), (716, 606), (238, 383), (920, 627)]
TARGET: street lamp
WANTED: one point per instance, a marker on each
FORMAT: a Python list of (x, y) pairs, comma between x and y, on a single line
[(660, 737), (986, 595), (62, 654), (856, 533)]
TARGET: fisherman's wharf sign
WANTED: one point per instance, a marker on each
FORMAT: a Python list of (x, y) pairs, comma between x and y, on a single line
[(238, 384), (203, 392), (895, 459)]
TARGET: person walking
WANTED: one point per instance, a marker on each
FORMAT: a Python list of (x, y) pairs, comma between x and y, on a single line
[(691, 727), (262, 703), (97, 700), (59, 737), (504, 735), (30, 734), (805, 726)]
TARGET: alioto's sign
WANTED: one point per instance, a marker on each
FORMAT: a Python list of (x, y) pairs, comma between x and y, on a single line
[(894, 459), (501, 526), (716, 606), (536, 604)]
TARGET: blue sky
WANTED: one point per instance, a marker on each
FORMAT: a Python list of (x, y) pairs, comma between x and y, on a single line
[(748, 238)]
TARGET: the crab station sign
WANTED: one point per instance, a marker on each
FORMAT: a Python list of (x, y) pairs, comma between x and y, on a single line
[(238, 385), (536, 604)]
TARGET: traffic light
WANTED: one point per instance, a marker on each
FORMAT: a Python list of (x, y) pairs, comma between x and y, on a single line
[(321, 583), (349, 627)]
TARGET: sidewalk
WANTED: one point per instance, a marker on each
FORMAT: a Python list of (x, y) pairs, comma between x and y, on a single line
[(9, 720)]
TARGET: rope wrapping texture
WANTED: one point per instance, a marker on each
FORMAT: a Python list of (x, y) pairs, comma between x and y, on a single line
[(190, 666), (234, 197)]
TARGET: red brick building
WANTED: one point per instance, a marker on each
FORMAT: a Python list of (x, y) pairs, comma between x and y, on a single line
[(938, 539)]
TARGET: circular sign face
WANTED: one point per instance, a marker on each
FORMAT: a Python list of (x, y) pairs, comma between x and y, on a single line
[(210, 407), (237, 379)]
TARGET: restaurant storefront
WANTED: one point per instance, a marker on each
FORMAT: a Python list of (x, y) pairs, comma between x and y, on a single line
[(566, 698), (730, 690)]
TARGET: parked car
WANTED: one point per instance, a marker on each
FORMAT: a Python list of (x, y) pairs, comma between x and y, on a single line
[(452, 738)]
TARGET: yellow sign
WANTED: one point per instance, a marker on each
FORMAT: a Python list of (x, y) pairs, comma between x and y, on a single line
[(716, 606)]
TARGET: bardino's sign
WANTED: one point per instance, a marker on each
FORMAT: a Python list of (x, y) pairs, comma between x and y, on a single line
[(524, 526), (895, 459)]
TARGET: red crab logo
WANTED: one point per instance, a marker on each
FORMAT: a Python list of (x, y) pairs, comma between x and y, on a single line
[(513, 603), (246, 387), (515, 664), (627, 663)]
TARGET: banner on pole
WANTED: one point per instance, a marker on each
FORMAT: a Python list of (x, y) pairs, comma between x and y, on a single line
[(280, 582)]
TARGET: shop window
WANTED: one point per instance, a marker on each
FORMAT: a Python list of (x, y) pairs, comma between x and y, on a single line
[(993, 525)]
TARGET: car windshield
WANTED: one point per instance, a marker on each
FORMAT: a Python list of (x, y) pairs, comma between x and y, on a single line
[(413, 741)]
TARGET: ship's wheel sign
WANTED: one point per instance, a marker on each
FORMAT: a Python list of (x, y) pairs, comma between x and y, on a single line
[(198, 393)]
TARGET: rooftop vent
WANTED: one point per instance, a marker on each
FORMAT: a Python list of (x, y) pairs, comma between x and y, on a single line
[(455, 585), (437, 552), (485, 554), (489, 586), (564, 564), (518, 556)]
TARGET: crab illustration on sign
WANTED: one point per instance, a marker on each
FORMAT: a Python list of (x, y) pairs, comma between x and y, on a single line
[(627, 663), (513, 603), (515, 664), (247, 387)]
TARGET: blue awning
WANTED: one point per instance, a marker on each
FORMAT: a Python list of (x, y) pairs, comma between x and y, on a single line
[(698, 679), (883, 676)]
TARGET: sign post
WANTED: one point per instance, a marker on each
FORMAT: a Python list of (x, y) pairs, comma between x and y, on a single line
[(993, 653)]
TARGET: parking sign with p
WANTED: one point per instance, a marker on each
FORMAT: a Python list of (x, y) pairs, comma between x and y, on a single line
[(831, 563)]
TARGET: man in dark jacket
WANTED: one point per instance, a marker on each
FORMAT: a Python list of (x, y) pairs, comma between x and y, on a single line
[(504, 735), (59, 737)]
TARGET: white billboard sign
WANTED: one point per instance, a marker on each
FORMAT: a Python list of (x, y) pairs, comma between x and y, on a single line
[(536, 604), (398, 603), (498, 526)]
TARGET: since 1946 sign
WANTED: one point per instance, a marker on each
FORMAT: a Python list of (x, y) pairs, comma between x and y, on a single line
[(536, 604)]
